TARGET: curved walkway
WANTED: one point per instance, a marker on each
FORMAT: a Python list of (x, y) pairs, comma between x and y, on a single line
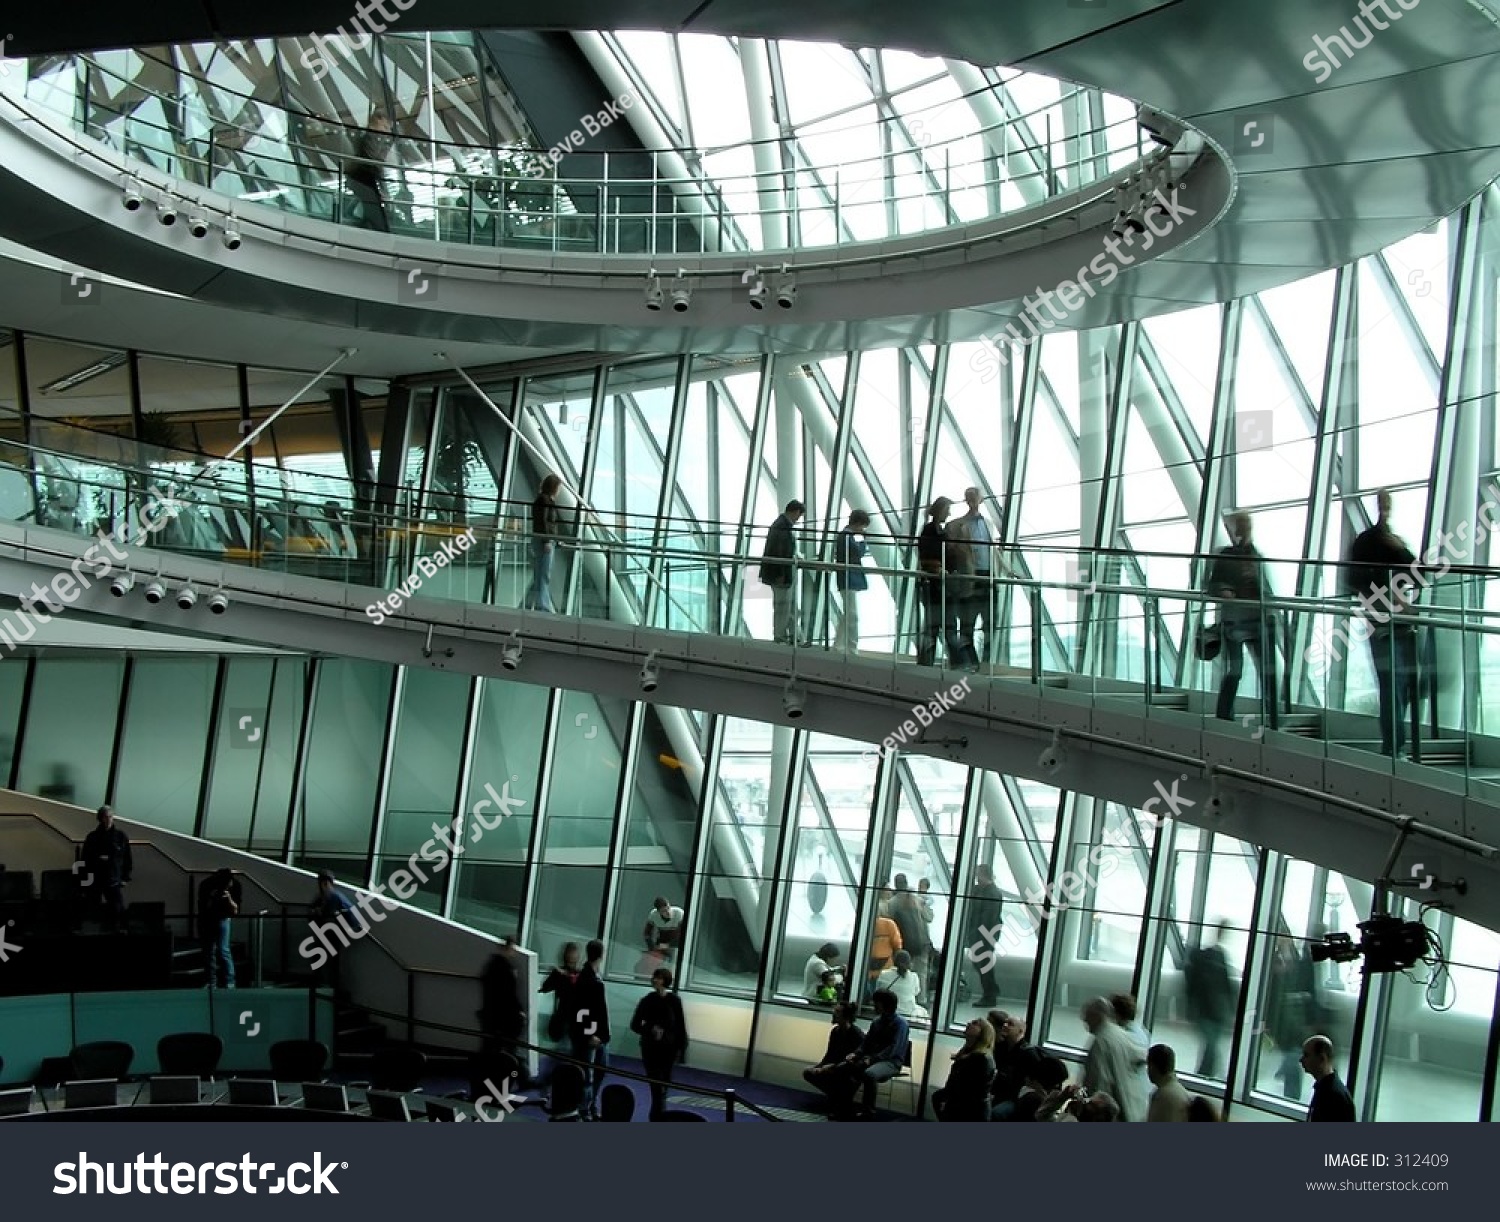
[(1324, 165), (1270, 789)]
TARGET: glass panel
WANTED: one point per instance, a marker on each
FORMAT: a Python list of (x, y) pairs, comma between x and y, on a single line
[(424, 784), (343, 767), (161, 757), (70, 729), (249, 751)]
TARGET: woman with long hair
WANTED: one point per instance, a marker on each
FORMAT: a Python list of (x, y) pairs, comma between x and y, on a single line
[(905, 984), (966, 1094)]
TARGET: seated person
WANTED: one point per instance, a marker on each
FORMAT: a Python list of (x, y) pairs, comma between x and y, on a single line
[(822, 977), (1044, 1076), (905, 984), (966, 1094), (1013, 1056), (882, 1055), (844, 1041), (1076, 1103)]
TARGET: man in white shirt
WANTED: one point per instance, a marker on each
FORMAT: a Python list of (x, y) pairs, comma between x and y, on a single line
[(974, 530), (1169, 1102), (663, 930), (1111, 1063), (821, 970)]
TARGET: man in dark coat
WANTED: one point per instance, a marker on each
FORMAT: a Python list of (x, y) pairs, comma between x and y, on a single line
[(778, 572), (108, 867)]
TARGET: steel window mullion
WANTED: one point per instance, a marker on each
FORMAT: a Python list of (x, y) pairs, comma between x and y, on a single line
[(625, 801), (383, 784), (465, 774), (669, 460), (734, 613), (536, 848), (702, 837)]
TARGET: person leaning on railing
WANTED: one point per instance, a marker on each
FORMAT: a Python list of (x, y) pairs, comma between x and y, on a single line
[(1238, 576), (546, 530)]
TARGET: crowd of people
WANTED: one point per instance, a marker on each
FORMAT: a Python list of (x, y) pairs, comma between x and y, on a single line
[(999, 1075)]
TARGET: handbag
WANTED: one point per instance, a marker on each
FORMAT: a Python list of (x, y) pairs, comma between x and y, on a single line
[(1209, 642)]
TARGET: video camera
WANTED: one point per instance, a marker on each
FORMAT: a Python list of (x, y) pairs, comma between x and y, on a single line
[(1387, 943)]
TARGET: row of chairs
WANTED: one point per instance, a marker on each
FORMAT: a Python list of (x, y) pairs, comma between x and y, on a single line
[(197, 1054)]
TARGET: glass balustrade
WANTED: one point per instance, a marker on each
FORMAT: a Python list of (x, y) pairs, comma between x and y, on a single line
[(1157, 652), (659, 203)]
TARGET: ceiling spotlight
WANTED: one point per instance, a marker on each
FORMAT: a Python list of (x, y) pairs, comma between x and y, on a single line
[(786, 292), (792, 700), (758, 294), (133, 199), (166, 212), (198, 224), (122, 585), (1163, 129), (510, 655), (155, 592), (187, 598), (231, 234), (218, 602), (1051, 760), (681, 294), (654, 295), (650, 673)]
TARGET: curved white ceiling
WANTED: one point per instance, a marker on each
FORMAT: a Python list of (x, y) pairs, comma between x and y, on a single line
[(1325, 167)]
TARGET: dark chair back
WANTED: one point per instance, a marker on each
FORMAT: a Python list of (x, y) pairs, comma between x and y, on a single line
[(17, 887), (398, 1068), (617, 1103), (298, 1060), (680, 1116), (103, 1059), (492, 1067), (189, 1054)]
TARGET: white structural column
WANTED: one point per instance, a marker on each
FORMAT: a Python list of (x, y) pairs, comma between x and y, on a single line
[(756, 70), (686, 186), (1001, 137)]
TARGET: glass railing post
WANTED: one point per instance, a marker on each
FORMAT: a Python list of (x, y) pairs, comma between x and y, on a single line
[(1034, 598), (1151, 671)]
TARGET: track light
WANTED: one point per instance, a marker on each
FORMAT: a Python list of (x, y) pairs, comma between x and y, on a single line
[(654, 295), (758, 294), (166, 212), (133, 198), (1163, 129), (793, 700), (218, 602), (198, 224), (155, 592), (510, 655), (1050, 761), (231, 234), (650, 673), (122, 585), (187, 598), (786, 292), (681, 293)]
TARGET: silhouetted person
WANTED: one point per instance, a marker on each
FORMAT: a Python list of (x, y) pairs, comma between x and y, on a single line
[(588, 1025), (219, 898), (108, 867), (660, 1023), (1210, 999), (546, 530), (849, 552), (938, 559), (366, 172), (966, 1093), (502, 1017), (1374, 560), (778, 572), (1331, 1100), (1239, 576), (1295, 1011), (985, 905), (844, 1040), (559, 982)]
